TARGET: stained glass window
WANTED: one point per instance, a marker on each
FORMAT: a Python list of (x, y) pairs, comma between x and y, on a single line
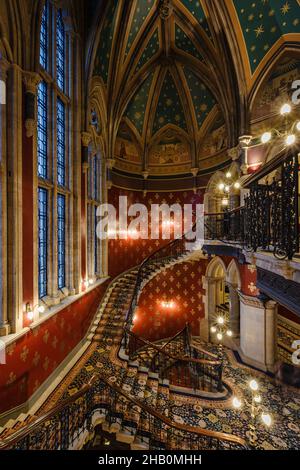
[(60, 51), (61, 146), (42, 135), (44, 37), (61, 240), (43, 242)]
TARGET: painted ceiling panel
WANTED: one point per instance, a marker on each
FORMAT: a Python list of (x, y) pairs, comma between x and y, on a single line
[(141, 12), (169, 109), (150, 50), (103, 53), (183, 42), (195, 7), (202, 98), (137, 107), (263, 22)]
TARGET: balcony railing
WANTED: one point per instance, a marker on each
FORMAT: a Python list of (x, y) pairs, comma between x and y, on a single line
[(269, 220)]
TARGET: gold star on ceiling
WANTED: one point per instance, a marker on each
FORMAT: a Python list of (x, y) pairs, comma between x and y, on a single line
[(260, 30), (285, 8)]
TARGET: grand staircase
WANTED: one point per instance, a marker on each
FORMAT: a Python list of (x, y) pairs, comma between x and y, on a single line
[(131, 400)]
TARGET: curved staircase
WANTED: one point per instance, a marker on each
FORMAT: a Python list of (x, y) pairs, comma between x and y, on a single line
[(127, 397)]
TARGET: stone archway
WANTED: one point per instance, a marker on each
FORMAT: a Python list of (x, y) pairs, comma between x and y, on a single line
[(214, 284), (233, 281)]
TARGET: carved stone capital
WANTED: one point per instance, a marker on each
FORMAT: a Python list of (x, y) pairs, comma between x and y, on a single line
[(234, 153), (145, 174), (30, 126), (110, 162), (109, 184), (245, 141), (31, 81), (194, 172), (4, 66), (165, 9), (86, 139)]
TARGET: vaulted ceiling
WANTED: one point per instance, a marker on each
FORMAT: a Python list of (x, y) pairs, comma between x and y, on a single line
[(176, 72)]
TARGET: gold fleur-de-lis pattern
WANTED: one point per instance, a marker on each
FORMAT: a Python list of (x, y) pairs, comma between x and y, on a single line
[(31, 359), (181, 284)]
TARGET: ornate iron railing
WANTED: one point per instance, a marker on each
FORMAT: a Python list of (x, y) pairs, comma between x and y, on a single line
[(269, 220), (182, 364), (62, 428)]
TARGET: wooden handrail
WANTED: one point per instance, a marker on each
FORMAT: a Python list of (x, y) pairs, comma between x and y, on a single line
[(177, 358), (11, 440)]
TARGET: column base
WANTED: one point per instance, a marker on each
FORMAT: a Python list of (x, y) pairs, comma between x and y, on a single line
[(4, 329)]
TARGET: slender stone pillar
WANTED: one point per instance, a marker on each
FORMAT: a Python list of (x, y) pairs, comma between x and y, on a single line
[(4, 323), (85, 139)]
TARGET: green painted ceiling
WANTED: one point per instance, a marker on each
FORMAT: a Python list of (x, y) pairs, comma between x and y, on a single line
[(169, 108), (195, 7), (202, 99), (150, 50), (263, 22), (142, 10), (183, 42), (101, 67), (137, 107)]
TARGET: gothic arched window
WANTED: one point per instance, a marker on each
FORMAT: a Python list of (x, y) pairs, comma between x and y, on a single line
[(54, 160)]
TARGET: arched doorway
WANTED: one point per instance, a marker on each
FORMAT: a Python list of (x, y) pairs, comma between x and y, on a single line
[(217, 295), (233, 283)]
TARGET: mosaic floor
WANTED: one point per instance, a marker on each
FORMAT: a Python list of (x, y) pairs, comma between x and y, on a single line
[(284, 405)]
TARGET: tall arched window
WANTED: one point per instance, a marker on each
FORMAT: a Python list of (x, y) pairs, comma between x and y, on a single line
[(54, 160)]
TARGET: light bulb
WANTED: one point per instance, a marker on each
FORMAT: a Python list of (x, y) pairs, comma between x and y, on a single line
[(266, 419), (41, 309), (228, 174), (285, 109), (213, 329), (225, 202), (291, 139), (298, 126), (91, 281), (229, 333), (236, 402), (221, 320), (220, 336), (237, 185), (227, 189), (30, 315), (266, 137), (86, 284), (257, 399), (221, 186), (253, 385)]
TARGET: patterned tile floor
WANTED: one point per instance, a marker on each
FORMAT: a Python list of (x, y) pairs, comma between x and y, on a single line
[(284, 405)]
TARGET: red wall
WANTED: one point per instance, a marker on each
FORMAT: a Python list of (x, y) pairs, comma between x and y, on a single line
[(181, 283), (124, 254), (31, 360)]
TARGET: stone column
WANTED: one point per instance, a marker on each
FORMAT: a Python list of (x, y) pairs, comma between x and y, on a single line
[(210, 286), (4, 323), (14, 200), (85, 139), (30, 185), (258, 326)]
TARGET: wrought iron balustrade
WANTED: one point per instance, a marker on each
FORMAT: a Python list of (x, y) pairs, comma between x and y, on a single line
[(178, 361), (63, 426), (269, 220)]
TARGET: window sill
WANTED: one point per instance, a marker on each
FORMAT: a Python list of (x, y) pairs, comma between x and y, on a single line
[(50, 312)]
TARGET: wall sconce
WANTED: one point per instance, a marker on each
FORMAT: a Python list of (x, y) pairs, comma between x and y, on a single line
[(288, 135), (168, 304), (30, 310)]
